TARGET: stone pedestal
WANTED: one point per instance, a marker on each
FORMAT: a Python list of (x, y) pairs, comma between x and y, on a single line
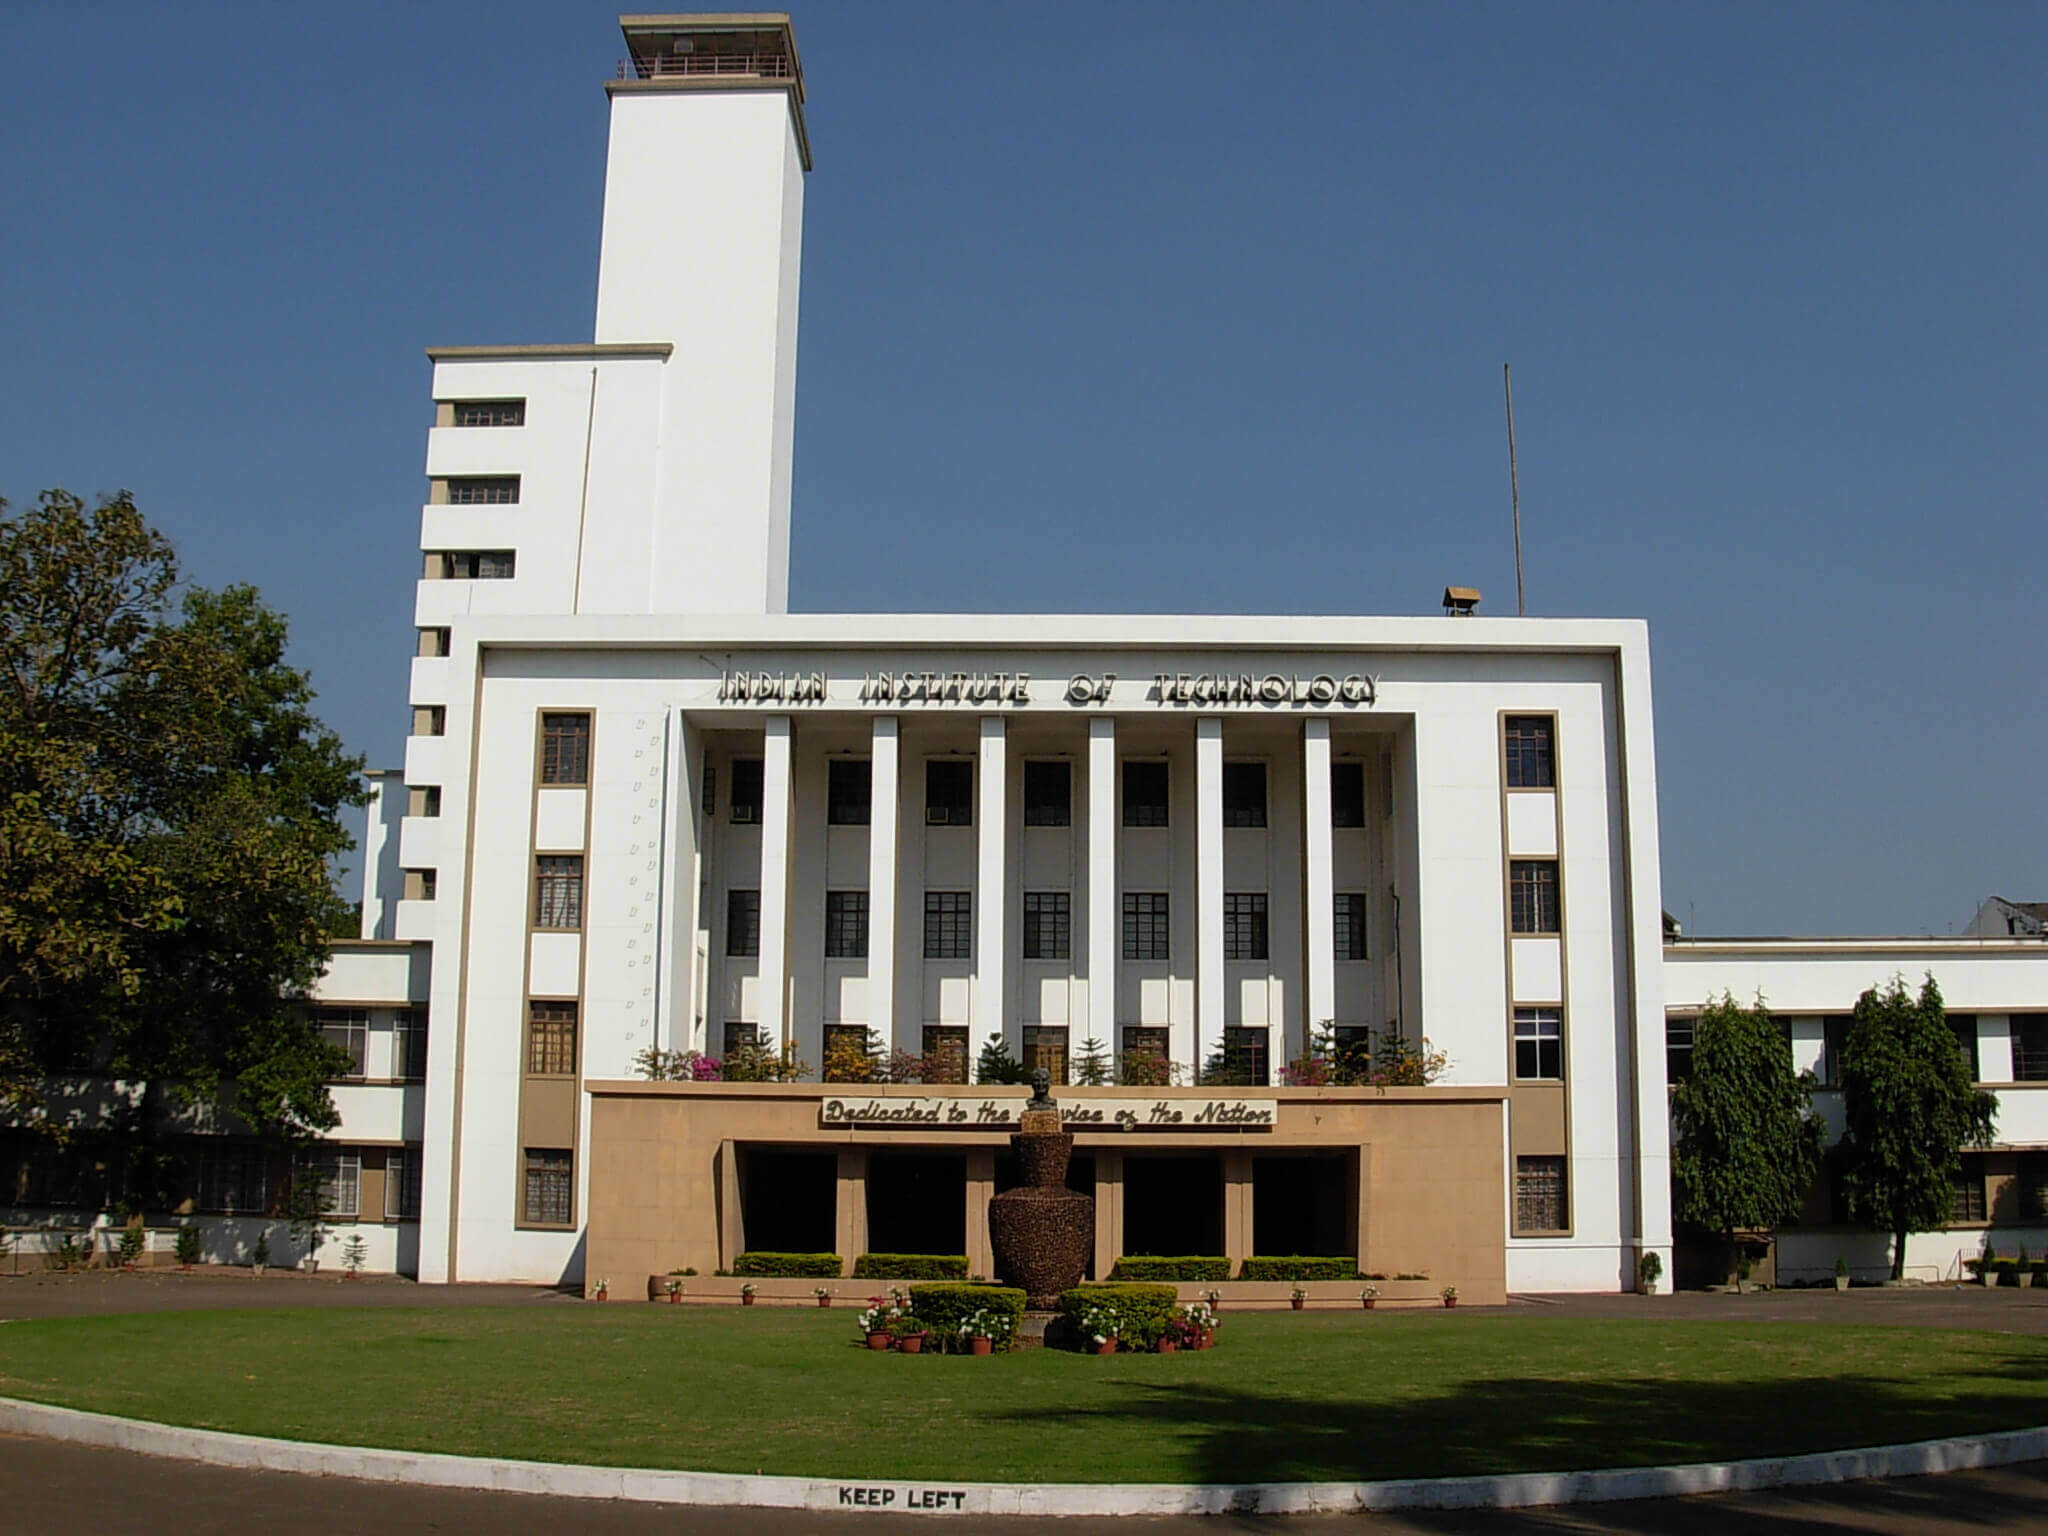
[(1042, 1231)]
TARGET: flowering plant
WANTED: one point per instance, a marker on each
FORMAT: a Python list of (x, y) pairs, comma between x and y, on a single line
[(881, 1313), (821, 1290), (1102, 1322), (984, 1324), (906, 1324), (675, 1286), (1449, 1293), (749, 1288), (1200, 1314), (1183, 1332), (1299, 1293), (1370, 1293)]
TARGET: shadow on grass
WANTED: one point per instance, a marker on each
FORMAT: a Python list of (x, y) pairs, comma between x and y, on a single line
[(1235, 1435)]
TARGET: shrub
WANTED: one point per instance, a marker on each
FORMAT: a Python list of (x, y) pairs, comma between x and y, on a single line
[(794, 1265), (131, 1244), (997, 1065), (1299, 1266), (1185, 1267), (188, 1245), (1142, 1311), (946, 1306), (910, 1266)]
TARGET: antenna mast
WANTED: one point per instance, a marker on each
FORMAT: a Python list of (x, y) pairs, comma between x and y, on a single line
[(1514, 489)]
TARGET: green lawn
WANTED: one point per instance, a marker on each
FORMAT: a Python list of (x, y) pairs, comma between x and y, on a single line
[(1282, 1397)]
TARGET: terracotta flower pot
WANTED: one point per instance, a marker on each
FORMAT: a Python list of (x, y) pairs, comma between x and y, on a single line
[(824, 1301), (879, 1339), (1299, 1302), (981, 1346), (1107, 1346), (1208, 1339), (1168, 1347), (911, 1344), (674, 1297), (746, 1301), (1450, 1301), (1371, 1302)]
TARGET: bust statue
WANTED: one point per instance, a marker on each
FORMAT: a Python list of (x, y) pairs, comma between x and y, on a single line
[(1041, 1090)]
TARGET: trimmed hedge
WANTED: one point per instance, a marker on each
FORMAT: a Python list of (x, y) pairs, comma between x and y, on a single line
[(910, 1266), (945, 1307), (1298, 1266), (790, 1266), (1145, 1310), (1185, 1267)]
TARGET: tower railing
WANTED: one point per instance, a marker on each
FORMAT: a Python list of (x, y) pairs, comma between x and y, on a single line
[(766, 66)]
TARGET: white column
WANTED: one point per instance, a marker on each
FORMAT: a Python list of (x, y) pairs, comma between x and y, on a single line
[(882, 884), (1208, 888), (1104, 906), (777, 809), (675, 1023), (1319, 914), (992, 801)]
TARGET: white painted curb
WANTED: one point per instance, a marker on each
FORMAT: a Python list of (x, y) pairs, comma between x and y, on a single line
[(656, 1486)]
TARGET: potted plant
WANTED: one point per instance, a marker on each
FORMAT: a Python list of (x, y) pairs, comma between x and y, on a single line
[(1299, 1296), (1201, 1320), (1370, 1297), (875, 1320), (1649, 1270), (188, 1247), (1987, 1269), (823, 1293), (131, 1243), (1181, 1332), (980, 1331), (908, 1331), (1841, 1273), (747, 1294), (1214, 1299), (259, 1256), (1099, 1324), (2023, 1268), (1450, 1295), (674, 1288), (354, 1254), (602, 1291)]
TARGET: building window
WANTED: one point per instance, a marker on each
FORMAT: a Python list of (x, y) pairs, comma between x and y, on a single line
[(849, 791), (1966, 1204), (233, 1181), (710, 786), (945, 1053), (430, 719), (743, 1036), (742, 923), (551, 1039), (409, 1044), (1244, 925), (1965, 1027), (565, 749), (1045, 1045), (1678, 1047), (423, 800), (1048, 926), (745, 807), (435, 641), (948, 925), (948, 793), (348, 1030), (1532, 763), (1539, 1045), (483, 490), (2029, 1047), (1245, 1057), (846, 925), (1145, 785), (341, 1179), (1048, 794), (550, 1186), (489, 413), (1349, 927), (1244, 794), (1833, 1034), (1147, 1044), (1539, 1194), (1347, 794), (1147, 931), (2033, 1188), (1532, 896), (402, 1185), (558, 891), (421, 885), (476, 564)]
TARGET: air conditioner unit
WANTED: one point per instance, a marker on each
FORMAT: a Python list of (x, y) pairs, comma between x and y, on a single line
[(747, 815)]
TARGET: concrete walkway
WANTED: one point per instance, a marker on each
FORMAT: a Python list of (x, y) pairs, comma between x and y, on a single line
[(96, 1293)]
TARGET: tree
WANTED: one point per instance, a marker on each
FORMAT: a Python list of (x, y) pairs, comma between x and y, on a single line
[(1911, 1109), (1092, 1067), (1745, 1140), (169, 806), (306, 1209), (996, 1064)]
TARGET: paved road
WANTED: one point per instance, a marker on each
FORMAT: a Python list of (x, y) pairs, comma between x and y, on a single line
[(46, 1486), (94, 1293)]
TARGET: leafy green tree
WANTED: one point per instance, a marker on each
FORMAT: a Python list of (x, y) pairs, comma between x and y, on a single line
[(1093, 1066), (1745, 1142), (169, 807), (1911, 1109), (996, 1064)]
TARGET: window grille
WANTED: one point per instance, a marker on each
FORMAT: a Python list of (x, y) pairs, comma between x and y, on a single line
[(350, 1031), (846, 925), (565, 749), (409, 1044), (550, 1186), (1531, 761), (1349, 926), (558, 891), (551, 1039), (1539, 1045), (402, 1185), (945, 1053), (490, 413), (1148, 933), (1048, 794), (1967, 1201), (743, 923), (1539, 1194), (1244, 925), (233, 1180), (849, 791), (1244, 794), (1246, 1056), (1532, 896), (2029, 1048), (949, 925), (1048, 925), (948, 793), (1045, 1045), (483, 490)]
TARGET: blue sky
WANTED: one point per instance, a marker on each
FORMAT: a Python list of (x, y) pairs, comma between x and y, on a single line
[(1171, 307)]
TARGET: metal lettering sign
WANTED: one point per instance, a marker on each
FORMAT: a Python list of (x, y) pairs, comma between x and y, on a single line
[(1244, 690), (1119, 1114)]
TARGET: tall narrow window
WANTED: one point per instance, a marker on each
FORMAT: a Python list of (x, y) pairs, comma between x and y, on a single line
[(1834, 1034), (1048, 925), (945, 1053), (409, 1044), (2029, 1047), (1145, 790), (849, 791), (1245, 1058), (550, 1186), (1347, 794), (1532, 896), (1539, 1045), (1678, 1031), (1967, 1203), (341, 1179), (1244, 925), (551, 1039), (1244, 794), (949, 925), (347, 1029), (1965, 1027), (1539, 1194), (558, 891), (745, 801), (1532, 763), (1045, 1045), (1349, 927), (1048, 794), (742, 923), (402, 1185), (488, 413), (948, 793), (483, 490), (565, 749), (846, 925), (1148, 934)]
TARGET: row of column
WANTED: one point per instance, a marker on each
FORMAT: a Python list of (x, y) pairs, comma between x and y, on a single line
[(992, 885)]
